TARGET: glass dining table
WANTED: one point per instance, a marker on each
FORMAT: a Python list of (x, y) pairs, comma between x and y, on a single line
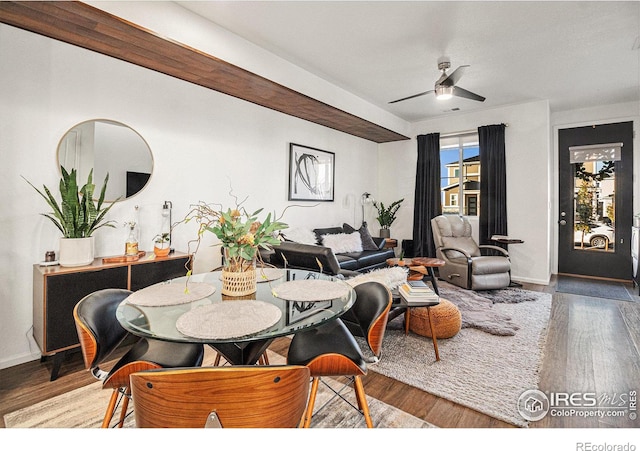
[(193, 310)]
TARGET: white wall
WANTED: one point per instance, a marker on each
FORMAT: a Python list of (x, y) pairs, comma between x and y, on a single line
[(203, 142), (172, 21), (528, 152)]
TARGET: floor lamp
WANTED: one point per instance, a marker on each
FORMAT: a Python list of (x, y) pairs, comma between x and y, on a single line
[(365, 200)]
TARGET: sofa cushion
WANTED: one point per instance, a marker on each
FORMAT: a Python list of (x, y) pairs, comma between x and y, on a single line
[(490, 265), (347, 262), (368, 259), (367, 242), (341, 243)]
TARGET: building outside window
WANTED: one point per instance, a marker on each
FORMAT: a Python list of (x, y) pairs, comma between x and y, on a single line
[(460, 174)]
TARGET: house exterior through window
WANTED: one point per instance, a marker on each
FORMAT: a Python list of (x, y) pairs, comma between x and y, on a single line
[(460, 174)]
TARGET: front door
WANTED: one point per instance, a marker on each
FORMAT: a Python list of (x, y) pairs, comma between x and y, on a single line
[(596, 200)]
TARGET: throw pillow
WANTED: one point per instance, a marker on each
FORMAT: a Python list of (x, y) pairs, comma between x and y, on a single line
[(300, 235), (341, 243), (367, 242)]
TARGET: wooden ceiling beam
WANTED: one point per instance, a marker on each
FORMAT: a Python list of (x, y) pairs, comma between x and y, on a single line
[(91, 28)]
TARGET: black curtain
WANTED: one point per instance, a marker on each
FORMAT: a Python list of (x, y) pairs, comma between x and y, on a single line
[(427, 194), (493, 183)]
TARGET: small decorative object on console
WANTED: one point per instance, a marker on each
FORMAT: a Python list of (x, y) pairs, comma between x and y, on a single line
[(161, 245), (131, 245)]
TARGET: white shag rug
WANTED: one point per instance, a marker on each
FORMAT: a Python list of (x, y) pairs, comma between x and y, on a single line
[(476, 369), (391, 277)]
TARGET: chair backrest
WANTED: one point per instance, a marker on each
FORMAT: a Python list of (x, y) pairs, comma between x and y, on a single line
[(98, 329), (305, 256), (241, 396), (454, 231), (371, 311)]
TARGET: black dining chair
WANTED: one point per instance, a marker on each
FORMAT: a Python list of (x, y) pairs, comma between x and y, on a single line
[(332, 350), (100, 334)]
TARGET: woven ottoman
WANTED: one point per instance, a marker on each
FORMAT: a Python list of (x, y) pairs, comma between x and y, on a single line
[(446, 320)]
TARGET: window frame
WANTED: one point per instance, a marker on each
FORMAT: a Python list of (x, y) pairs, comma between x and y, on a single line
[(459, 141)]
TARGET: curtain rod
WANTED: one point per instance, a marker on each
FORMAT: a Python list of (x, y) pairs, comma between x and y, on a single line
[(461, 133)]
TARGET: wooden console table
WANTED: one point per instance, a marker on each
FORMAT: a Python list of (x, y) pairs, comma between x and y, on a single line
[(57, 289)]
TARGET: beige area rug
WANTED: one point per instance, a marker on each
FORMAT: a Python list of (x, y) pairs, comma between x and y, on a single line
[(84, 408), (477, 369)]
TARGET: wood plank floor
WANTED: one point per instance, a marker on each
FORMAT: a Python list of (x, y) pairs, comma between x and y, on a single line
[(593, 345)]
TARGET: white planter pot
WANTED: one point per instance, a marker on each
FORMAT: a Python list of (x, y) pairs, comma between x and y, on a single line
[(76, 251)]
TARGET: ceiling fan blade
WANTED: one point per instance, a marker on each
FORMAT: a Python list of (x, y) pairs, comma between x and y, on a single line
[(459, 92), (411, 97), (454, 76)]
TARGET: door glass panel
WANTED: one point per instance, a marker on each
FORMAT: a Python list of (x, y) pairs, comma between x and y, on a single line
[(594, 206)]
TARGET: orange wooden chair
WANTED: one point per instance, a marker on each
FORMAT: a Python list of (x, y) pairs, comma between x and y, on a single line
[(230, 397), (331, 349), (100, 334)]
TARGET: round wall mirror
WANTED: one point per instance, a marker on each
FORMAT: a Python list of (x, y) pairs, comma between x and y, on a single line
[(107, 147)]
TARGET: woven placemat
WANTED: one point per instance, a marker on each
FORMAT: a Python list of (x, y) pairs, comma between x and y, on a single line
[(268, 274), (310, 290), (230, 319), (170, 294)]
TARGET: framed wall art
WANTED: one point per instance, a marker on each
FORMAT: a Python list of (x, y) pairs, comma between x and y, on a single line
[(311, 173)]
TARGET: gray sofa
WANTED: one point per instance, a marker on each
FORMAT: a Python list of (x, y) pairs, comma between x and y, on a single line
[(307, 256)]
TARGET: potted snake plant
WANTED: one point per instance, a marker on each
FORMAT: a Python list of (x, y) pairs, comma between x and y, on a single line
[(77, 216)]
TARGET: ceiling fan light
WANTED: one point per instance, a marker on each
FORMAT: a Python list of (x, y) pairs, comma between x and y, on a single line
[(444, 92)]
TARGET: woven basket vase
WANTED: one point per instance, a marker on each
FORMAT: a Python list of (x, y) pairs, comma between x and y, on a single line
[(239, 283)]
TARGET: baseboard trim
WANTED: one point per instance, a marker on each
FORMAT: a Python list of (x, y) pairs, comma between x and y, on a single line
[(530, 280), (18, 360), (581, 276)]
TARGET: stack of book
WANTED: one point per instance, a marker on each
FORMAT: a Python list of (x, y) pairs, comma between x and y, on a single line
[(415, 291)]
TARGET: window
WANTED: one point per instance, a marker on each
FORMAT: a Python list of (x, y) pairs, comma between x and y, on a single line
[(460, 174)]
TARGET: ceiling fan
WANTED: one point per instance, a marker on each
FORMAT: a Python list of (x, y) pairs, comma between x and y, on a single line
[(445, 87)]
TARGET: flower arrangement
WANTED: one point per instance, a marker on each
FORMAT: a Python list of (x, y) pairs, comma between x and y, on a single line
[(240, 232)]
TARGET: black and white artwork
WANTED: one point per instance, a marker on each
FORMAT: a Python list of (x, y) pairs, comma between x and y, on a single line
[(311, 173), (297, 311)]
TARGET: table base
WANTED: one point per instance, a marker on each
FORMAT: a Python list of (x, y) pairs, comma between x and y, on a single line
[(242, 353)]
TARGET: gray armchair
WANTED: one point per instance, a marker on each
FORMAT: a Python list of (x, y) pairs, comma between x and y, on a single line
[(465, 266)]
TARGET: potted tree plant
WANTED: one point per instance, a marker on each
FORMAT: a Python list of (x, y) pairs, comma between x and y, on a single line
[(386, 216), (77, 216)]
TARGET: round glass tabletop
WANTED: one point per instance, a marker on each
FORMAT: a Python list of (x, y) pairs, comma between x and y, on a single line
[(166, 321)]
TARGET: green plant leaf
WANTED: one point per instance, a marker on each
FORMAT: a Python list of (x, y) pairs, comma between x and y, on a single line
[(76, 216)]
